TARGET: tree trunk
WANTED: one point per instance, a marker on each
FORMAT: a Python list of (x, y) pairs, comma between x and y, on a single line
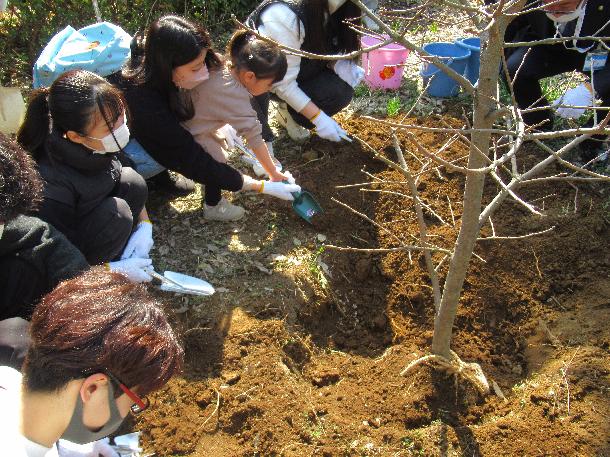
[(484, 107)]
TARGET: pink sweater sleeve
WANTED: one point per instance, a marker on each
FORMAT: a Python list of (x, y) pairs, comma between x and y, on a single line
[(223, 100)]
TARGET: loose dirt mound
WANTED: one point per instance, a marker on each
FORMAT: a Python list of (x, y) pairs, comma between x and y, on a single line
[(305, 360)]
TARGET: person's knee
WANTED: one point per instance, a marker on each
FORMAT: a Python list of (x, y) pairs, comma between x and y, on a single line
[(117, 217), (137, 190), (344, 95), (524, 66), (329, 92)]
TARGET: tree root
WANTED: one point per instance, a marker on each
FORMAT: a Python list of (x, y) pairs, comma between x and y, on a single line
[(472, 372)]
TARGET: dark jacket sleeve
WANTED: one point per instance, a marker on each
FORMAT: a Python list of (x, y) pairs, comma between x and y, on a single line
[(159, 132), (34, 257), (60, 215)]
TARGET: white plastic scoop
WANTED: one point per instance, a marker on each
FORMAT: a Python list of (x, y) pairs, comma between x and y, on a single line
[(172, 281)]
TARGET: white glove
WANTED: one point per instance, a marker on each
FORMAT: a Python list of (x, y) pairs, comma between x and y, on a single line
[(289, 177), (140, 242), (349, 72), (579, 96), (94, 449), (134, 269), (280, 190), (327, 127), (229, 134)]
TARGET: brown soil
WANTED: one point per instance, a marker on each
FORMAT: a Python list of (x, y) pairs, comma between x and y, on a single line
[(306, 360)]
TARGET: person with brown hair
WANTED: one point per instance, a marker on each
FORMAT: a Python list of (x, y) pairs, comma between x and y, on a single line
[(99, 345)]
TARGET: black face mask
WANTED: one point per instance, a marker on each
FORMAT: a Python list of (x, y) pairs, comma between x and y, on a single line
[(78, 433)]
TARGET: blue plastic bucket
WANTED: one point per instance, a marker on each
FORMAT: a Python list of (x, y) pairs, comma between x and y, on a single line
[(440, 84), (473, 44)]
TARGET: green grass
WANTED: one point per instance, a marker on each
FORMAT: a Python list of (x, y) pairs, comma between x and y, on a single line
[(393, 107)]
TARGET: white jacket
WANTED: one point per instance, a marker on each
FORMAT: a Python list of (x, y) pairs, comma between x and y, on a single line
[(280, 23)]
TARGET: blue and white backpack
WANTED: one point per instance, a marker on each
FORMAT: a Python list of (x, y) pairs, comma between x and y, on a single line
[(101, 48)]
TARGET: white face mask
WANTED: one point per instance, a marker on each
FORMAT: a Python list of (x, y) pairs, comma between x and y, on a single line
[(193, 80), (110, 144), (563, 18), (1, 230)]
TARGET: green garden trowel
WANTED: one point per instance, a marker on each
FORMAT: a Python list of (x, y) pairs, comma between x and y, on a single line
[(305, 205)]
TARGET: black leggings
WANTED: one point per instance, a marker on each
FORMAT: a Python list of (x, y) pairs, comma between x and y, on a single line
[(543, 62), (103, 233)]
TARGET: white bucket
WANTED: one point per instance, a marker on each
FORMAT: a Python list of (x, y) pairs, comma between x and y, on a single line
[(12, 109)]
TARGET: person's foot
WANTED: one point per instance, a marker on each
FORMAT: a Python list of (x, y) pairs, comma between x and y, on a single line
[(294, 130), (223, 211), (171, 183)]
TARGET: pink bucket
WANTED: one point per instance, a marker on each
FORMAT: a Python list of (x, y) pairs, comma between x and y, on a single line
[(383, 67)]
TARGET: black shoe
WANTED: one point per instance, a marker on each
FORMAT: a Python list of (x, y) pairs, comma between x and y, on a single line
[(171, 183)]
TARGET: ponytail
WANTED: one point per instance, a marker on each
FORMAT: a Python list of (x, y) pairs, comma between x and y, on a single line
[(70, 104), (249, 53), (35, 127)]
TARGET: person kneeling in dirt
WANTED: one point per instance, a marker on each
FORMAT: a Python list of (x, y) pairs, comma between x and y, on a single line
[(99, 345), (557, 19), (312, 90), (178, 56), (34, 256), (250, 68), (74, 130)]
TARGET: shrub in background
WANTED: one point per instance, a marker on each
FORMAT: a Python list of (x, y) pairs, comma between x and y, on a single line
[(27, 25)]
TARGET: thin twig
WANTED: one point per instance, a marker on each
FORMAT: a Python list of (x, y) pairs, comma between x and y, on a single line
[(520, 237), (213, 412)]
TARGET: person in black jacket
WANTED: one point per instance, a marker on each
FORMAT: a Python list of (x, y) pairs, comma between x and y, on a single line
[(34, 256), (563, 18), (177, 57), (74, 130)]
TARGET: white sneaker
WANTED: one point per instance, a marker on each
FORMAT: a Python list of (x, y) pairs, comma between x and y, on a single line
[(294, 130), (223, 211)]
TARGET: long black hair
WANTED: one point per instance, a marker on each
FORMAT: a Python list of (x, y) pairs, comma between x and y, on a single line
[(319, 33), (264, 59), (71, 103), (172, 41)]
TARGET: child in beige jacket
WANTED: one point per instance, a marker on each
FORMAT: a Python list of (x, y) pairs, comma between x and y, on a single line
[(254, 66)]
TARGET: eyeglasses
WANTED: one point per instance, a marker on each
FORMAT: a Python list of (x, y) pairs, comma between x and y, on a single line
[(140, 404)]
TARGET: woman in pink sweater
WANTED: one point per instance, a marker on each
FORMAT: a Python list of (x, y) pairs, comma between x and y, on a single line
[(251, 68)]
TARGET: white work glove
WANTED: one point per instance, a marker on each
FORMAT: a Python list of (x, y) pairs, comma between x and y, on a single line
[(579, 96), (134, 269), (349, 72), (140, 242), (94, 449), (281, 190), (229, 134), (327, 127)]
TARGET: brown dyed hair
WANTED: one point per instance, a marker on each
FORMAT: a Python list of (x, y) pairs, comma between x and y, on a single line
[(100, 322)]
